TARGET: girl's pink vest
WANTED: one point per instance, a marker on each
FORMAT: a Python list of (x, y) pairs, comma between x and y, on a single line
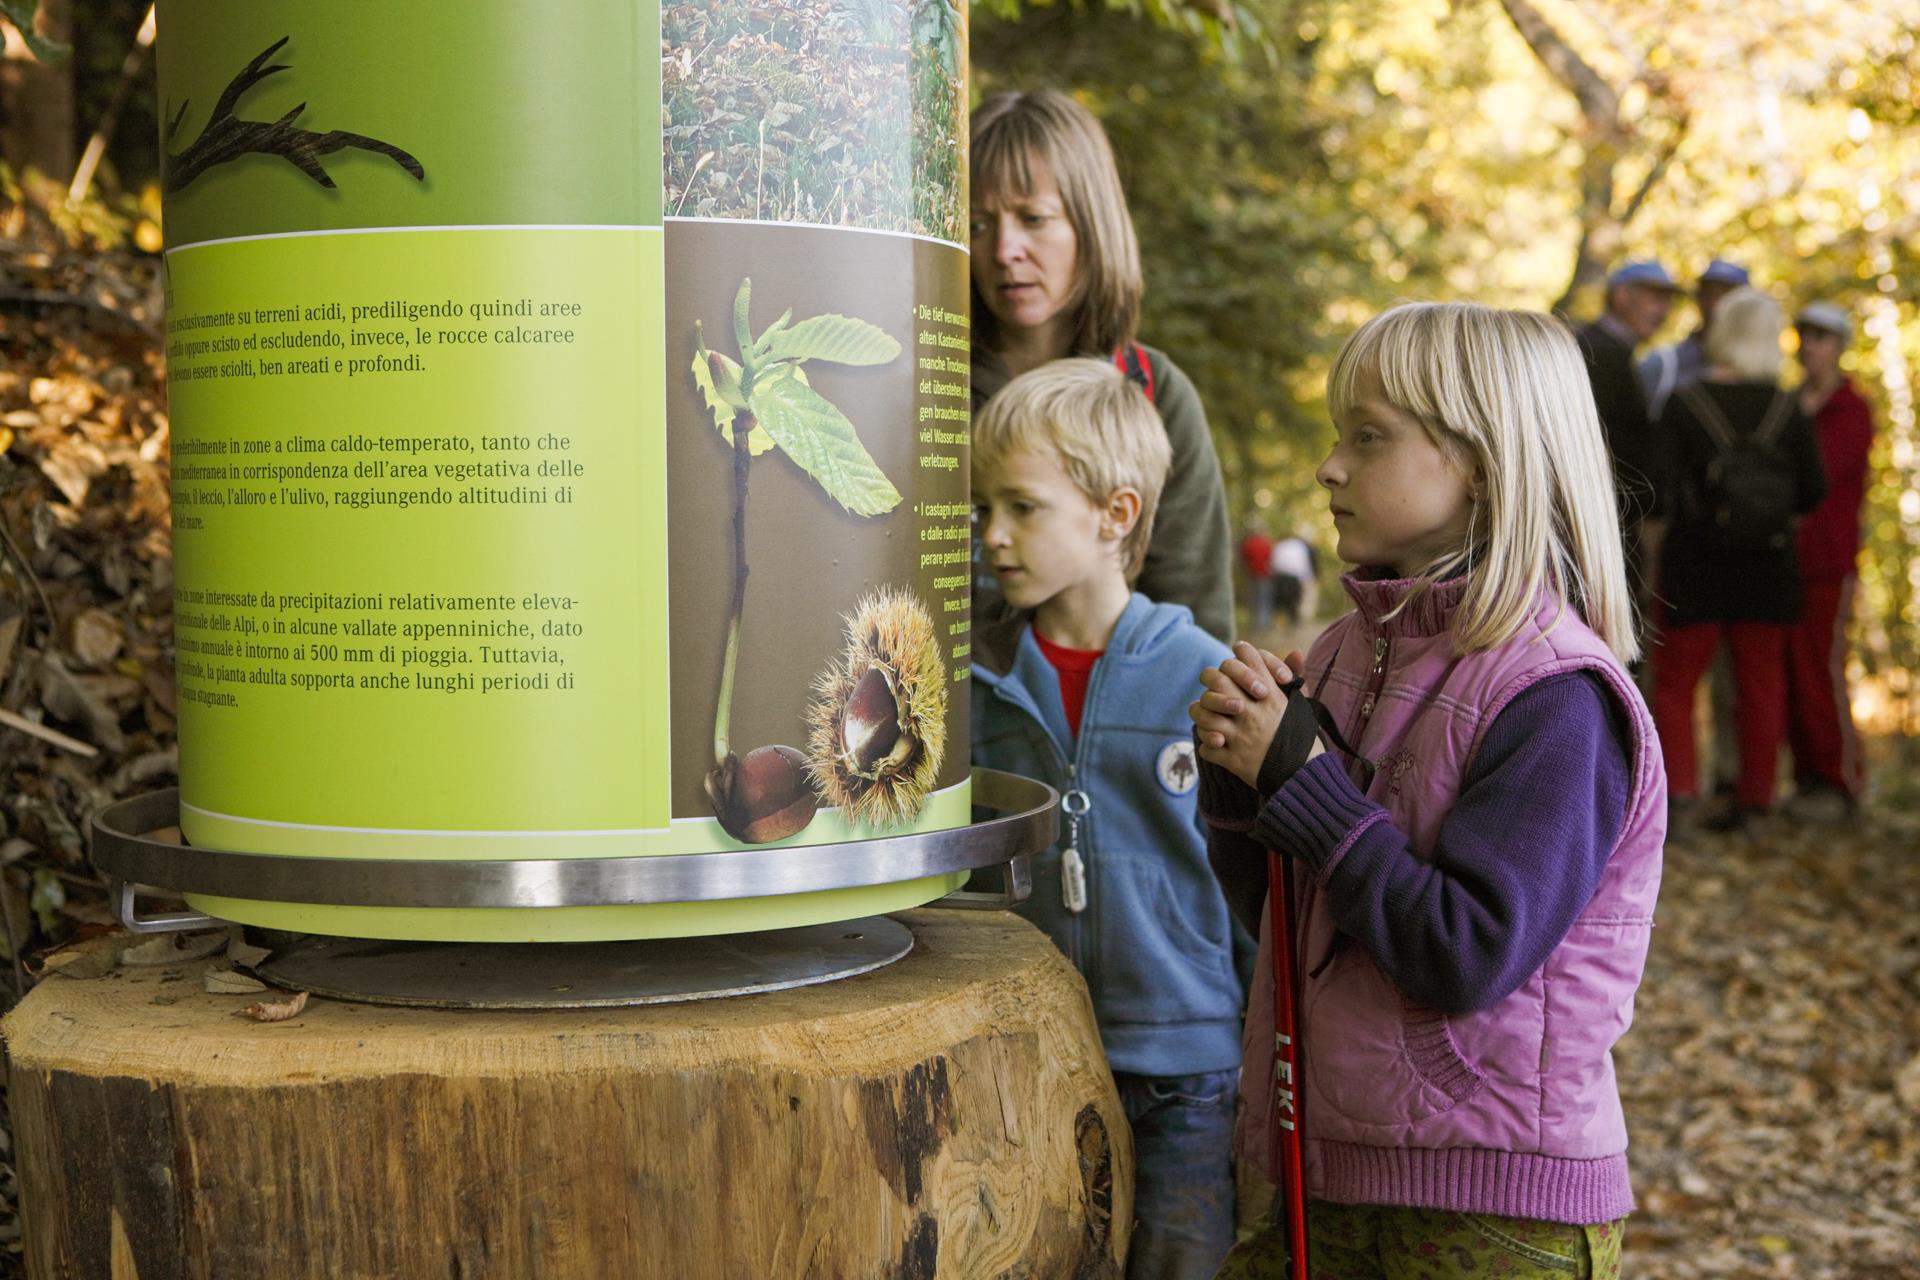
[(1512, 1110)]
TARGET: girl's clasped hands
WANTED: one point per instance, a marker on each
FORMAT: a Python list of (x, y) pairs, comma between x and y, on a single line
[(1240, 712)]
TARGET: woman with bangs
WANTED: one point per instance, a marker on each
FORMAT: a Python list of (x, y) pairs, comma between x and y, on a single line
[(1056, 273), (1469, 787)]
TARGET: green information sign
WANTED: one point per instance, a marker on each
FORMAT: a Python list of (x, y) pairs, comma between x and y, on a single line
[(515, 518)]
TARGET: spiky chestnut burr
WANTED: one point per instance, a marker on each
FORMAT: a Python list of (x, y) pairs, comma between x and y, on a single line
[(878, 720)]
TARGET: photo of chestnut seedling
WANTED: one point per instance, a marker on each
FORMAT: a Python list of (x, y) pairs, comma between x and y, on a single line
[(879, 713), (760, 402)]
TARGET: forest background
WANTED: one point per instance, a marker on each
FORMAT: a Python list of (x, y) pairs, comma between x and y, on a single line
[(1294, 166)]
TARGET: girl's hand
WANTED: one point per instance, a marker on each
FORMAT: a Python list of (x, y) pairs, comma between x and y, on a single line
[(1240, 711)]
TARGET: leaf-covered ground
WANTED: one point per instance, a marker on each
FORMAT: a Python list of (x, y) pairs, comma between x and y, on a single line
[(1772, 1076), (86, 643)]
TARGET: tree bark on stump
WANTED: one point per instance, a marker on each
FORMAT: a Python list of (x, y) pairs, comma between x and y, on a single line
[(950, 1114)]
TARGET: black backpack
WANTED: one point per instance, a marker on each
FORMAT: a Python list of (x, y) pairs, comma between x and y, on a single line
[(1750, 482)]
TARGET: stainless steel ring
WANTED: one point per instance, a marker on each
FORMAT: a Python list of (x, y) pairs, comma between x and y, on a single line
[(124, 846)]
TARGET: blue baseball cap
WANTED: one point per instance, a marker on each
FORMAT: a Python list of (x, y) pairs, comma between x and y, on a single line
[(1644, 271), (1720, 271)]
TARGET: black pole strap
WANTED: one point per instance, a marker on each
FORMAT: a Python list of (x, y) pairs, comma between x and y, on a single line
[(1301, 705)]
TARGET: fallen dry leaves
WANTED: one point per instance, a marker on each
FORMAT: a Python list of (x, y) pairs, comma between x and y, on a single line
[(274, 1010), (86, 577), (86, 584), (1772, 1076)]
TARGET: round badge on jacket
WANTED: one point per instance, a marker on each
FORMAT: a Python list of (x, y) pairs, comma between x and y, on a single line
[(1178, 767)]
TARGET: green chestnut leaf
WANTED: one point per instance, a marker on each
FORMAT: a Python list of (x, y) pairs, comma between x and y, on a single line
[(822, 442), (840, 339)]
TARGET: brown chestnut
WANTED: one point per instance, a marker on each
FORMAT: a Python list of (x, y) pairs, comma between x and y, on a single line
[(764, 796), (870, 725)]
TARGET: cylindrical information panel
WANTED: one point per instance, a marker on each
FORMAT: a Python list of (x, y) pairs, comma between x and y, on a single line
[(569, 420)]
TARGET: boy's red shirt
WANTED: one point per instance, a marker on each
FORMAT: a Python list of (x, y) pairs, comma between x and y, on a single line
[(1075, 668)]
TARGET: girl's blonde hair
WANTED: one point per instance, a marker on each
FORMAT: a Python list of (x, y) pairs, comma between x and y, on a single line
[(1505, 395), (1013, 130), (1099, 426), (1745, 335)]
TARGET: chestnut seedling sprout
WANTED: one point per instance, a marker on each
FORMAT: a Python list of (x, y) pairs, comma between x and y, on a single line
[(759, 402)]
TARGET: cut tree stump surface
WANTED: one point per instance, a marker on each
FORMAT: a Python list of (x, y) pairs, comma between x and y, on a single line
[(949, 1114)]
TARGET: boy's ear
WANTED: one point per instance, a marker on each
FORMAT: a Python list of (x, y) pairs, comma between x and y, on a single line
[(1121, 513)]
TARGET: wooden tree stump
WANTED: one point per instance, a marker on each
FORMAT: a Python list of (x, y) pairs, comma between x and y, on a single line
[(949, 1114)]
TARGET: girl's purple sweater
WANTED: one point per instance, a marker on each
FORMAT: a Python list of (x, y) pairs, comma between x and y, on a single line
[(1508, 876)]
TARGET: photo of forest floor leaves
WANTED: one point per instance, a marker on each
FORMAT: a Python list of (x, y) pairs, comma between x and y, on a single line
[(831, 112)]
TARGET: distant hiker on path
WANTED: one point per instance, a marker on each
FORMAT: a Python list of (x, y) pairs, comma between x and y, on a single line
[(1639, 298), (1740, 463), (1295, 570), (1256, 558), (1828, 768)]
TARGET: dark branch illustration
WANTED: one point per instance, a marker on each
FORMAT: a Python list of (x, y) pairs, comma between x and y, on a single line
[(227, 137)]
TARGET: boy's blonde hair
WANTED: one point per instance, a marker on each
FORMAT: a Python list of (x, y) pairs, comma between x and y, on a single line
[(1745, 335), (1506, 394), (1098, 424), (1010, 132)]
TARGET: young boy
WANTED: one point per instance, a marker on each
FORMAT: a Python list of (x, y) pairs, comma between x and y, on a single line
[(1086, 687)]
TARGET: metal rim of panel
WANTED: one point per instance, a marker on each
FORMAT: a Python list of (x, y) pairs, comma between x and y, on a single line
[(124, 846)]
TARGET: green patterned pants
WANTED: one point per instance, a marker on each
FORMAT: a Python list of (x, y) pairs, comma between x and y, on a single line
[(1377, 1242)]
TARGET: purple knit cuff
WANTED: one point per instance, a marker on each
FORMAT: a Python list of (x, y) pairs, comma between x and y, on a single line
[(1318, 815), (1225, 801), (1473, 1180)]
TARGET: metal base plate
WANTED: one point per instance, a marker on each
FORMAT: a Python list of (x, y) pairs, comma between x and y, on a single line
[(582, 975)]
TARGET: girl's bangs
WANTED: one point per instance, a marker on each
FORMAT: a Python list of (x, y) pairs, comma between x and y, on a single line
[(1394, 348)]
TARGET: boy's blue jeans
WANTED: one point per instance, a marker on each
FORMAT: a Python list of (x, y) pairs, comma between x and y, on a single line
[(1183, 1173)]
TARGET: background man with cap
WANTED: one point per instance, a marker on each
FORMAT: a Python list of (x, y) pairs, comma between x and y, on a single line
[(1639, 298), (1681, 364), (1827, 765)]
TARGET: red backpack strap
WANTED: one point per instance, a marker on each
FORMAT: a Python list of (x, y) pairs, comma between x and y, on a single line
[(1131, 359)]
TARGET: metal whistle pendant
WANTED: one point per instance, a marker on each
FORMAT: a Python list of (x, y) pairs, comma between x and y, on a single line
[(1073, 880)]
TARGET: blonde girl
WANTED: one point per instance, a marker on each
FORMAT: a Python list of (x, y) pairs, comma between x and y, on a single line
[(1470, 789)]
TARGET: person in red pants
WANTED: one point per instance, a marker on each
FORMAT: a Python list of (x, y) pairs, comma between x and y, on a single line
[(1737, 462), (1827, 766)]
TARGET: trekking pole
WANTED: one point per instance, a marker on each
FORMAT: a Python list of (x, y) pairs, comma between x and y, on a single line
[(1284, 1119)]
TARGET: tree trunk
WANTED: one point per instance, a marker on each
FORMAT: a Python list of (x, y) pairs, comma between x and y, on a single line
[(36, 100), (949, 1113), (1605, 138)]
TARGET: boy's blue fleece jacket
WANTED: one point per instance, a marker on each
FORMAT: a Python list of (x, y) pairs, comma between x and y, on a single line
[(1163, 959)]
